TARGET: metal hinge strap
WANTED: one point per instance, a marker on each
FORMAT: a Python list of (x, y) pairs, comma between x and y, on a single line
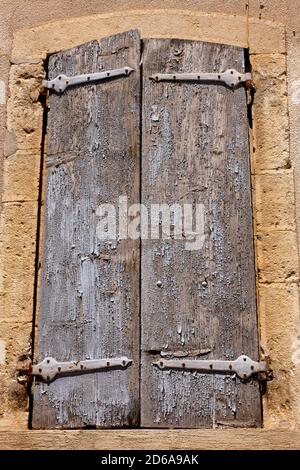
[(61, 82), (50, 368), (230, 77), (243, 366)]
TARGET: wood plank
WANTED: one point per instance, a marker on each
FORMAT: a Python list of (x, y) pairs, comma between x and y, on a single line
[(89, 300), (195, 150), (169, 439)]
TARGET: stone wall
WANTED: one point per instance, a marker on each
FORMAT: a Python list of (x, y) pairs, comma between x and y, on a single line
[(271, 31)]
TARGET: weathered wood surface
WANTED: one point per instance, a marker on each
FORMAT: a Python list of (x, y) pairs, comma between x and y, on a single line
[(195, 150), (171, 439), (89, 298)]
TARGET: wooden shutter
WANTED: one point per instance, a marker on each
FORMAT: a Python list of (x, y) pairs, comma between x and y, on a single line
[(198, 303), (195, 150), (89, 295)]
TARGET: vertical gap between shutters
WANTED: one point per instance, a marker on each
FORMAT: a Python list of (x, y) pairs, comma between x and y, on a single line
[(140, 248), (43, 101)]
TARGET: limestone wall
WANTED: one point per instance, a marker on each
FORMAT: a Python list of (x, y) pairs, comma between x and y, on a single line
[(271, 30)]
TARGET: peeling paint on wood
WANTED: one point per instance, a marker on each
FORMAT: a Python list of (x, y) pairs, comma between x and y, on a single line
[(195, 150), (93, 156)]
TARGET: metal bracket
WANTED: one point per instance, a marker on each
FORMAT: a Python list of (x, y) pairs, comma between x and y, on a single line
[(61, 82), (230, 77), (50, 368), (243, 366)]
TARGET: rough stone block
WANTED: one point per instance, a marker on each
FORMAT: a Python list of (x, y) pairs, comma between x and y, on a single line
[(21, 174), (277, 257), (24, 110), (275, 201), (17, 339), (280, 323), (266, 37), (18, 231), (270, 113)]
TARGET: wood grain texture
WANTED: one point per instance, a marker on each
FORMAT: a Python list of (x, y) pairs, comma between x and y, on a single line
[(199, 439), (89, 298), (195, 150)]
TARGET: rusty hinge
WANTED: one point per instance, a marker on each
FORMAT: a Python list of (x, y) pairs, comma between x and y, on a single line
[(243, 366), (61, 82), (50, 368), (230, 77)]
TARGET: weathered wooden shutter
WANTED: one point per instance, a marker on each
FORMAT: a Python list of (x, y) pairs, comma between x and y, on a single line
[(89, 296), (194, 303), (195, 150)]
